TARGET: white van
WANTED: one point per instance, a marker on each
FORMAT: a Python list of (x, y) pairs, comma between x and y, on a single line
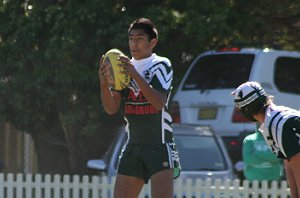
[(203, 96)]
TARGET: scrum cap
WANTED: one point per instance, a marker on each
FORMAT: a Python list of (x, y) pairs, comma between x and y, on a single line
[(249, 98)]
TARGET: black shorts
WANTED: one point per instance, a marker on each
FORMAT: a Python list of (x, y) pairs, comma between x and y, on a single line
[(143, 161)]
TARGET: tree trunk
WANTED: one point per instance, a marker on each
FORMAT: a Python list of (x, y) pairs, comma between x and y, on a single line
[(51, 148)]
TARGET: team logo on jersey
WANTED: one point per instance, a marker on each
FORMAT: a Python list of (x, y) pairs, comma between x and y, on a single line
[(165, 164), (147, 75)]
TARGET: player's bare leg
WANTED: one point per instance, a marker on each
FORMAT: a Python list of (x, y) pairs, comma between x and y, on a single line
[(162, 184), (293, 174), (127, 186)]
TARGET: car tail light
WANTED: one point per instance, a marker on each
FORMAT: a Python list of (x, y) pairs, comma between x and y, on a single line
[(238, 117), (229, 49), (234, 143), (175, 112)]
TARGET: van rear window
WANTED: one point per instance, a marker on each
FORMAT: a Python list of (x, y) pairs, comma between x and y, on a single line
[(219, 72), (287, 74)]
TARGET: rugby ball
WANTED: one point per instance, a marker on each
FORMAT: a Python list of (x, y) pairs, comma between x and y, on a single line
[(120, 80)]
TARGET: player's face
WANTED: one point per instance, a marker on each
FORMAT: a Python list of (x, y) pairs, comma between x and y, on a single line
[(139, 44)]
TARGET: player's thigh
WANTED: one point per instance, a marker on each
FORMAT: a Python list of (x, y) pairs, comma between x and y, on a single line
[(161, 157), (295, 166), (127, 186), (162, 184)]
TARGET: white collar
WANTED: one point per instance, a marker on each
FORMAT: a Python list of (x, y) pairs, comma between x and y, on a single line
[(139, 63)]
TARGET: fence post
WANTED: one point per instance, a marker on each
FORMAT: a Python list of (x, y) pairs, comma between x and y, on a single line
[(178, 187), (75, 186), (28, 186), (19, 185), (37, 186), (274, 189), (207, 187), (1, 185), (236, 188), (47, 186), (85, 186), (217, 189), (264, 191), (105, 190), (198, 186), (56, 186), (66, 186), (283, 187), (95, 185), (246, 191)]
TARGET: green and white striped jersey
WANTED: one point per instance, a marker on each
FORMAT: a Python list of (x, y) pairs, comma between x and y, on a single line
[(281, 130), (145, 124)]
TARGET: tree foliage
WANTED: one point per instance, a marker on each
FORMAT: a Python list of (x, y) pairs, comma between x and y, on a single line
[(49, 53)]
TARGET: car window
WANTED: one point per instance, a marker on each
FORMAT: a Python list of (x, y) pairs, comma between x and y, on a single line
[(287, 74), (219, 72), (199, 153)]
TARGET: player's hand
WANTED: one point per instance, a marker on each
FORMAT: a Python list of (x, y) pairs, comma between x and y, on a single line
[(129, 69), (104, 72)]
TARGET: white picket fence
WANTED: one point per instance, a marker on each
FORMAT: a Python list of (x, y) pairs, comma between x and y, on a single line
[(66, 186)]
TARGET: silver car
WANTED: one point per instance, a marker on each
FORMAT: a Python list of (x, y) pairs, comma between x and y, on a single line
[(202, 154)]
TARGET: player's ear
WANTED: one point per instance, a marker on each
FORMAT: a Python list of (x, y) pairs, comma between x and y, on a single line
[(153, 42)]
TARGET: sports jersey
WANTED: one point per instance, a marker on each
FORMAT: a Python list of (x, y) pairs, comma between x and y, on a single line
[(145, 124), (281, 130)]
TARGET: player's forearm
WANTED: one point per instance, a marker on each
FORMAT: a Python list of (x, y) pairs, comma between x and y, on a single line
[(109, 100), (157, 99)]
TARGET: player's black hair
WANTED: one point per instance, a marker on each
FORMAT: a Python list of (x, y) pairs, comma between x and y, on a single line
[(146, 25)]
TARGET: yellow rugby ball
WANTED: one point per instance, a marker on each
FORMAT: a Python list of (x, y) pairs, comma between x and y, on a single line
[(120, 80)]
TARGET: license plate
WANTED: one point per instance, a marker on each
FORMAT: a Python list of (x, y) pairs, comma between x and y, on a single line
[(207, 114)]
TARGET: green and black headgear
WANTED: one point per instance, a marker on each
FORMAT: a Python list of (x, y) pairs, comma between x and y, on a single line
[(249, 98)]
